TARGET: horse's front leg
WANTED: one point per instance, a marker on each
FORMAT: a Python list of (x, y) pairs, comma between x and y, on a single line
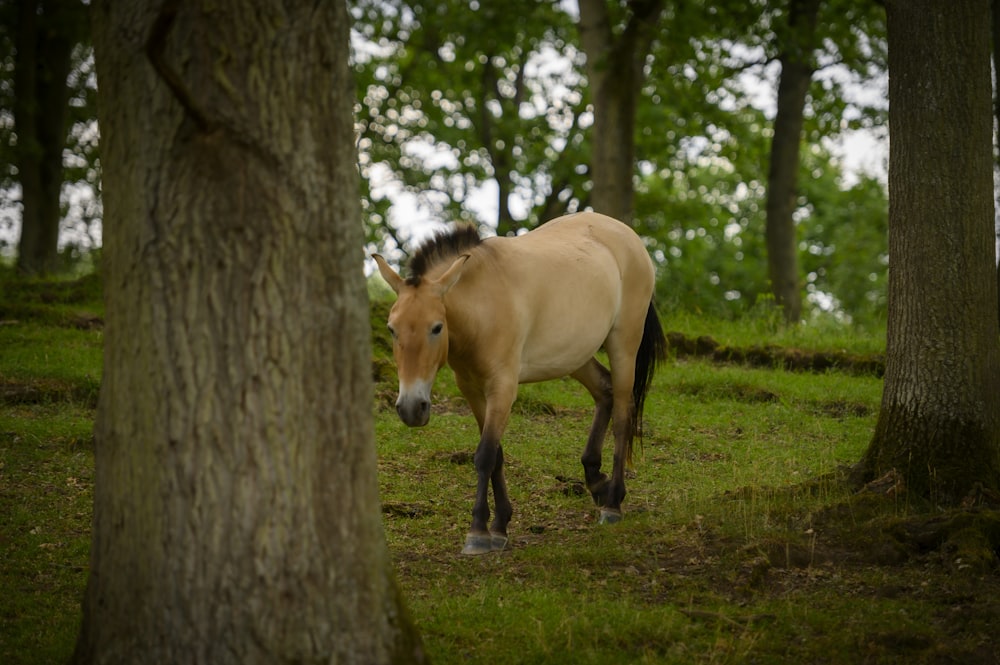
[(489, 469), (503, 508)]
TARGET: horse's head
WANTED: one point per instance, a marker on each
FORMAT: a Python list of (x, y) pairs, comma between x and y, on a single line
[(419, 326)]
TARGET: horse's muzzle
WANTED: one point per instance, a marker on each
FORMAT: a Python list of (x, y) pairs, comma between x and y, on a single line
[(414, 412)]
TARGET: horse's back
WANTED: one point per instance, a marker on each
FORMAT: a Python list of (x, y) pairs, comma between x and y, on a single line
[(568, 283), (583, 228), (580, 242)]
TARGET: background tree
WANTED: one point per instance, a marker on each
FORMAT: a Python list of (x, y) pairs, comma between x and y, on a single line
[(939, 424), (704, 143), (798, 41), (810, 35), (617, 41), (42, 37), (700, 141), (453, 97), (237, 517)]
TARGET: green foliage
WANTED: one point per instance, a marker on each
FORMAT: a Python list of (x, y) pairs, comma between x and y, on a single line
[(452, 96), (83, 210), (453, 99), (701, 194), (844, 236), (718, 266)]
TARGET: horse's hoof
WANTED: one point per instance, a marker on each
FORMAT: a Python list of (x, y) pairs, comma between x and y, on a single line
[(610, 516), (498, 541), (484, 543), (478, 543)]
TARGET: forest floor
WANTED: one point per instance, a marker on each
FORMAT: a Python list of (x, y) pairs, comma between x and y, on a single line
[(743, 539)]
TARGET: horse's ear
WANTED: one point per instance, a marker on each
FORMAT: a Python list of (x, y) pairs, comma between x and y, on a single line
[(451, 275), (388, 274)]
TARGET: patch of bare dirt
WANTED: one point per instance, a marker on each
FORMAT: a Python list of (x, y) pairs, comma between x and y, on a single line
[(870, 546), (45, 391)]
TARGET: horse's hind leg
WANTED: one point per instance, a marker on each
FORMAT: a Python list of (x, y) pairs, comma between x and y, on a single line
[(621, 350), (597, 380)]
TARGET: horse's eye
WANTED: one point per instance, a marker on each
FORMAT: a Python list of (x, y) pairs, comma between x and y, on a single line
[(436, 329)]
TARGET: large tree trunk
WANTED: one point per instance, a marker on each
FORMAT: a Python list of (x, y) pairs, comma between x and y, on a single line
[(236, 515), (940, 418), (615, 72), (996, 110), (46, 34), (782, 178)]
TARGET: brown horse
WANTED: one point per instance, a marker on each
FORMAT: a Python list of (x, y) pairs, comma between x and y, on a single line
[(506, 311)]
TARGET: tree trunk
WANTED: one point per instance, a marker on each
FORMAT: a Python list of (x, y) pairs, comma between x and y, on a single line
[(615, 72), (236, 508), (499, 156), (45, 40), (782, 178), (939, 423), (996, 110)]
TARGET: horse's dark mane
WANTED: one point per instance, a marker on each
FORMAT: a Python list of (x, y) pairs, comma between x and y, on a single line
[(447, 244)]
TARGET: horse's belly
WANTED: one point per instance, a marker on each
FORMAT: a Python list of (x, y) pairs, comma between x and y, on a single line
[(569, 322), (543, 362)]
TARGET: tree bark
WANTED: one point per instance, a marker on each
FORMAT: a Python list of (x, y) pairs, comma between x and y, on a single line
[(782, 178), (236, 508), (46, 35), (500, 157), (939, 423), (995, 15), (615, 69)]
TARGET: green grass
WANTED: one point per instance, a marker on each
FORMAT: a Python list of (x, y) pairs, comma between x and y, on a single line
[(46, 501), (50, 368), (764, 327), (574, 592), (741, 541)]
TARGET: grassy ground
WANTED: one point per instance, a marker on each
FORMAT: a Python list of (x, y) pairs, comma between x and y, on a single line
[(50, 368), (741, 541)]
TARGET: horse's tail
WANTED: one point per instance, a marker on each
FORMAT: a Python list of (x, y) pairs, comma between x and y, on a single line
[(652, 351)]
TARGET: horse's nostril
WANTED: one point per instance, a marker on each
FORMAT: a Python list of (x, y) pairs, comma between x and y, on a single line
[(414, 412)]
